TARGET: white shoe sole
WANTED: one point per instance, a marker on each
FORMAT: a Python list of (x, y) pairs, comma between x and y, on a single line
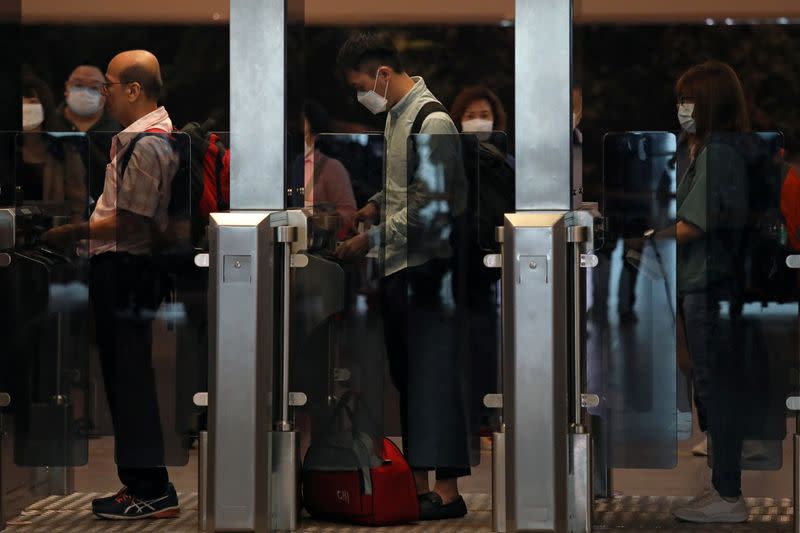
[(168, 512), (730, 518)]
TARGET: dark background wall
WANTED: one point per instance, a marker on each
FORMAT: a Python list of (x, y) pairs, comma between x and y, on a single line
[(627, 72), (194, 61)]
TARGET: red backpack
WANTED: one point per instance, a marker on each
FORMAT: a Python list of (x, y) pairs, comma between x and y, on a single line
[(210, 167), (207, 161), (790, 205)]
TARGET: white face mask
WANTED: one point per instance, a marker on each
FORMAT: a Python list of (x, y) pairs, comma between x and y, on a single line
[(574, 120), (32, 116), (372, 100), (83, 101), (685, 112), (477, 125), (480, 126)]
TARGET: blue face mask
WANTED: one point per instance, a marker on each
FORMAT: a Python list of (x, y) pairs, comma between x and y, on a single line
[(83, 101)]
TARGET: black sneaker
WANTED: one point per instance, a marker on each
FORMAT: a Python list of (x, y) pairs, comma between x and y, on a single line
[(431, 507), (126, 506), (109, 499)]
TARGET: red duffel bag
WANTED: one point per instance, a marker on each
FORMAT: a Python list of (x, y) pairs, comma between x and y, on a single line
[(345, 480)]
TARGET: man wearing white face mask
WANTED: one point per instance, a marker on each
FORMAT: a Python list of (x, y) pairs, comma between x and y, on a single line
[(84, 110), (434, 429)]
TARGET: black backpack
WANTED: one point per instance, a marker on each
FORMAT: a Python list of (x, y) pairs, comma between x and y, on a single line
[(202, 183), (494, 194), (756, 249)]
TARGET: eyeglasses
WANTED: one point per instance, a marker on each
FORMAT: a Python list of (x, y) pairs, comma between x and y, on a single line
[(107, 84)]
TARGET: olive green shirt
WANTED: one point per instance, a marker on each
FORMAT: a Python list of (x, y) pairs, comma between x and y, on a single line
[(712, 196)]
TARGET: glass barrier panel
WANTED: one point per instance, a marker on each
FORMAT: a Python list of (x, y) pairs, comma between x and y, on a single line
[(147, 296), (440, 295), (739, 298), (494, 183), (631, 335), (47, 357), (489, 171), (337, 338)]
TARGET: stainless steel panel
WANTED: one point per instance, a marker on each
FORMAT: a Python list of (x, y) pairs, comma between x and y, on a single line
[(543, 104), (60, 480), (580, 483), (202, 481), (285, 456), (796, 483), (499, 482), (258, 101), (240, 375), (535, 372)]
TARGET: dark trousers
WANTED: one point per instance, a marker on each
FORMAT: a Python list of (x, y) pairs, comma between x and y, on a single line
[(396, 308), (718, 369), (125, 291)]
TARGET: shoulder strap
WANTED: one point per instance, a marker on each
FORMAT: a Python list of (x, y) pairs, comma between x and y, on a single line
[(122, 166), (424, 112)]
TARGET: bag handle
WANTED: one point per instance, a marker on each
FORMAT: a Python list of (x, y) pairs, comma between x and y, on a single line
[(343, 407)]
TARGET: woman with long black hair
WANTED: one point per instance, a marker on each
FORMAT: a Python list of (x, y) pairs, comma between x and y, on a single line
[(711, 225)]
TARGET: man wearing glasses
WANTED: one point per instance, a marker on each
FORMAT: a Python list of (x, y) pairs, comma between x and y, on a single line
[(131, 219), (84, 111)]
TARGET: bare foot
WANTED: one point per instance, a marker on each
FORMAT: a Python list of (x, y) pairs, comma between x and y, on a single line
[(447, 489), (421, 480)]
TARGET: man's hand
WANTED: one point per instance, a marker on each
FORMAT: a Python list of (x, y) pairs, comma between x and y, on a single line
[(369, 213), (353, 249), (61, 237)]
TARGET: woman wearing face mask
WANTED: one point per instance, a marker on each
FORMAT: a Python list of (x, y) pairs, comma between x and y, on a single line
[(47, 169), (478, 110), (712, 203)]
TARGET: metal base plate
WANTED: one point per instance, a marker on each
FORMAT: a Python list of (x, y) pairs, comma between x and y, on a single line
[(651, 513), (632, 513), (74, 514)]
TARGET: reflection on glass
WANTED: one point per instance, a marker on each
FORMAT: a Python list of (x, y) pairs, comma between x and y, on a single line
[(46, 341), (441, 304), (324, 181), (49, 169), (140, 269), (632, 353), (145, 295), (748, 292), (337, 350)]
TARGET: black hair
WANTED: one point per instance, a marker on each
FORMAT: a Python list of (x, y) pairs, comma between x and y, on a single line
[(149, 80), (365, 51), (317, 117), (35, 87)]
